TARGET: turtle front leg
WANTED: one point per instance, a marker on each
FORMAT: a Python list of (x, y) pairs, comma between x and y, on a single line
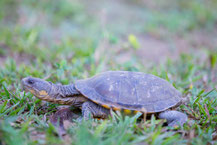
[(174, 118), (91, 109)]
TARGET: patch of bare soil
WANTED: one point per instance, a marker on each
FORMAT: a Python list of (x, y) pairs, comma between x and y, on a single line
[(158, 50), (125, 17), (154, 50)]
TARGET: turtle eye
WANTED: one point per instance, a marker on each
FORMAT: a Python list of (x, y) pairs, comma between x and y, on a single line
[(30, 82)]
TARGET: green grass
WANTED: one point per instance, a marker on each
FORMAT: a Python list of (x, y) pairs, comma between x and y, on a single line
[(68, 45)]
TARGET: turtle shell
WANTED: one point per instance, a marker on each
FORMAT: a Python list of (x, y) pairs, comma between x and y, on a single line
[(130, 90)]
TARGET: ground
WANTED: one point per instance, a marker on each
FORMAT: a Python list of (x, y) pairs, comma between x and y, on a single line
[(68, 40)]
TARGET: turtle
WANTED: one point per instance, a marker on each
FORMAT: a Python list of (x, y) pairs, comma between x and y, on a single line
[(125, 91)]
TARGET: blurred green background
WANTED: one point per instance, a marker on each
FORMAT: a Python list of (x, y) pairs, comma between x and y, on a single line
[(73, 39), (149, 31)]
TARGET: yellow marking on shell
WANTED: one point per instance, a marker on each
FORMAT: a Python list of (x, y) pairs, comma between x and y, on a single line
[(95, 102), (99, 118), (126, 111), (43, 93), (116, 109), (106, 106), (135, 112)]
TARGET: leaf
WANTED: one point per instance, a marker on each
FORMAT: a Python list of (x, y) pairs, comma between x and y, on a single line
[(133, 41), (213, 60), (198, 97), (3, 106)]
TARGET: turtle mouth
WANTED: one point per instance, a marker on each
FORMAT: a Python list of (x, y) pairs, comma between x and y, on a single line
[(48, 98), (28, 88), (31, 90), (38, 94)]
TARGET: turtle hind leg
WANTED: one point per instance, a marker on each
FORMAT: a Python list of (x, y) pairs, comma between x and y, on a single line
[(91, 109), (174, 118)]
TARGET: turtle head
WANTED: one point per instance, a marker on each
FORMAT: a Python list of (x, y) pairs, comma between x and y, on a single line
[(48, 91), (38, 87)]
